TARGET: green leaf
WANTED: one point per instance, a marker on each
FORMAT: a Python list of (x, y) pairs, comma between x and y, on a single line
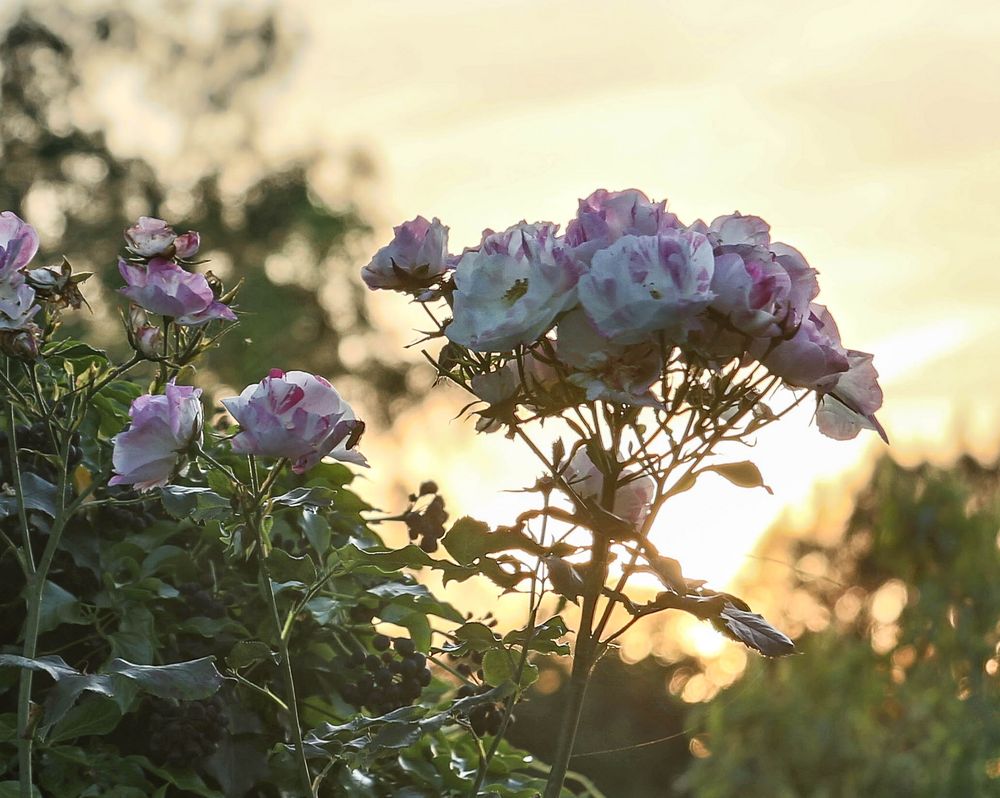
[(95, 715), (543, 638), (247, 652), (38, 495), (287, 568), (387, 562), (59, 606), (478, 636), (417, 597), (306, 497), (414, 621), (498, 666), (184, 681), (317, 530), (468, 540), (198, 504), (745, 474)]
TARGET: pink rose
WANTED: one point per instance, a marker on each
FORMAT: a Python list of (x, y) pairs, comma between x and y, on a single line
[(813, 357), (165, 288), (164, 427), (605, 216), (643, 285), (413, 260), (18, 243), (632, 498), (17, 302), (849, 406), (510, 290), (298, 416), (151, 237)]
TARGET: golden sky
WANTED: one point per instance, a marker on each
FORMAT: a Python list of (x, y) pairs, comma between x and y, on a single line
[(866, 133)]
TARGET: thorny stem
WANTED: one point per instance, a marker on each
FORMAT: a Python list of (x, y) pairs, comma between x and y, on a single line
[(260, 497), (586, 649), (34, 591)]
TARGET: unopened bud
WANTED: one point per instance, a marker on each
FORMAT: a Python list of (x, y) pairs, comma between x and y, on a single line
[(22, 344)]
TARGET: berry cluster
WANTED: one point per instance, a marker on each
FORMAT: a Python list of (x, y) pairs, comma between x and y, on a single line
[(425, 517), (484, 718), (393, 678), (199, 599), (120, 520), (184, 732)]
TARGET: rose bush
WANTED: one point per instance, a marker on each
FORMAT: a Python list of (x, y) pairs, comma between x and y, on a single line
[(670, 343), (210, 601)]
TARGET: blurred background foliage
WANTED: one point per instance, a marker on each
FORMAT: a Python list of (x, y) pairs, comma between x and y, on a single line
[(896, 691), (296, 255), (898, 694)]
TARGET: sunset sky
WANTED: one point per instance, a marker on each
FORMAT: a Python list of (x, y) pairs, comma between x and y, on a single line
[(865, 133)]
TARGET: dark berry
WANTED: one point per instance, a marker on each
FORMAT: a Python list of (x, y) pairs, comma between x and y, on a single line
[(404, 646), (355, 659), (466, 690), (373, 663), (408, 667), (424, 677), (351, 694), (417, 659), (380, 642), (411, 689), (428, 487)]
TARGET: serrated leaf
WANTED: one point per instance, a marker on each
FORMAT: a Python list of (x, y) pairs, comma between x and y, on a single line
[(745, 474), (184, 681), (199, 504), (498, 666), (247, 652), (469, 540), (478, 636), (317, 530), (416, 597), (753, 631), (306, 497), (543, 638)]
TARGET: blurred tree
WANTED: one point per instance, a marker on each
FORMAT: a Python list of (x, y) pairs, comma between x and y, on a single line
[(899, 696), (295, 254), (631, 740)]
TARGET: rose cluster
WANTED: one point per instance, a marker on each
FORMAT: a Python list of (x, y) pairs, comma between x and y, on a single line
[(157, 282), (605, 305), (296, 416)]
